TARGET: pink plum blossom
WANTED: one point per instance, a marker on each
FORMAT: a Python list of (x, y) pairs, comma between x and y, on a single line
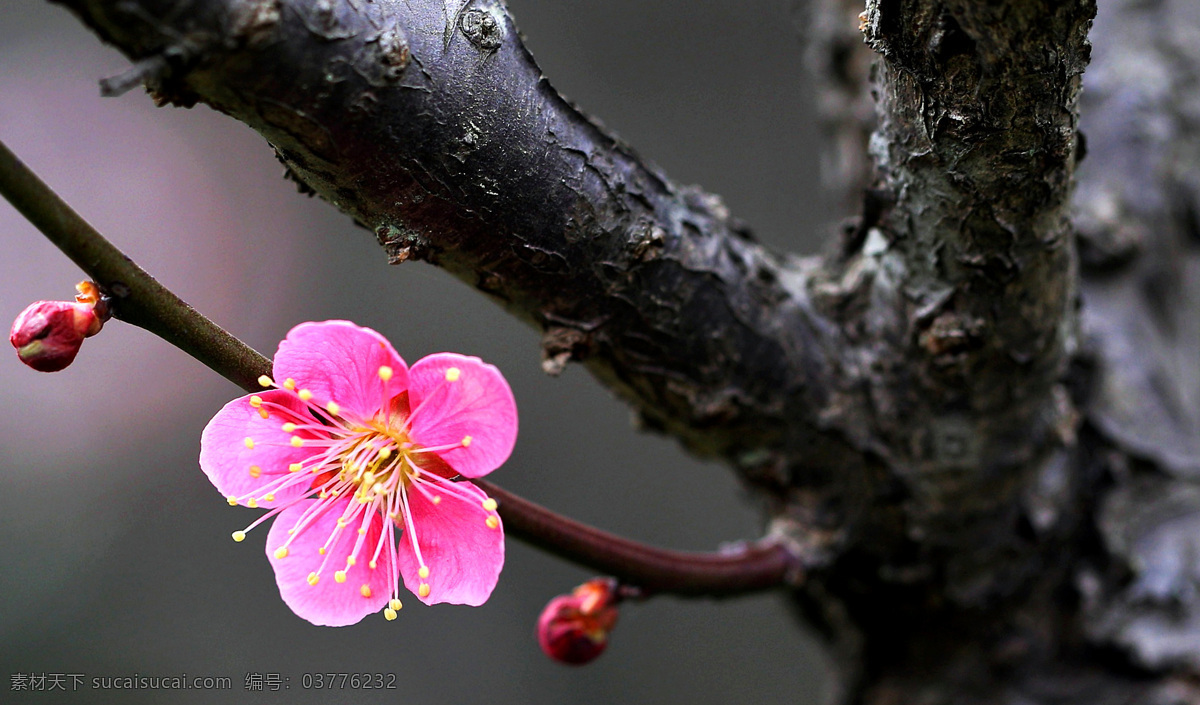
[(362, 461)]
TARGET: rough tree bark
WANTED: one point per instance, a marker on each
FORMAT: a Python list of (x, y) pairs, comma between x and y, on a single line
[(977, 425)]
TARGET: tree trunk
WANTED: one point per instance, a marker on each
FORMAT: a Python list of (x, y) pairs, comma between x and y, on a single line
[(977, 425)]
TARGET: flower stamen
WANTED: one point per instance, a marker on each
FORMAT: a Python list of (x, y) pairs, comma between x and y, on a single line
[(410, 529)]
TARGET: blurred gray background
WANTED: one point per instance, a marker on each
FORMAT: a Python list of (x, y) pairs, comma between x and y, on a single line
[(116, 556)]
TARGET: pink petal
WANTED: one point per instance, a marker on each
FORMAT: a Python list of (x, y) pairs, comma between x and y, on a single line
[(329, 603), (478, 404), (339, 361), (463, 553), (226, 459)]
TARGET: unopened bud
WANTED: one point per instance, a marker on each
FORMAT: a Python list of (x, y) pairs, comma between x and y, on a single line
[(48, 334), (574, 628)]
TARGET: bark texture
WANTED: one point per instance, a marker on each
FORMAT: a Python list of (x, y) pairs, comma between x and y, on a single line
[(977, 429)]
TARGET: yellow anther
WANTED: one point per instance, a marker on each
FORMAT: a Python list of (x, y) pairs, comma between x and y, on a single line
[(295, 467), (289, 427), (368, 477), (255, 471), (252, 503), (492, 522), (385, 373), (351, 560), (265, 381), (249, 443), (289, 383), (378, 488), (270, 496), (423, 590), (340, 576), (256, 401), (362, 531), (322, 494), (341, 522), (437, 499), (466, 441), (321, 550), (389, 614), (232, 500), (313, 578), (304, 395), (394, 604), (297, 441), (385, 453), (333, 408), (423, 572), (262, 413), (239, 536), (490, 504), (365, 590), (393, 515), (281, 552), (373, 564), (452, 374)]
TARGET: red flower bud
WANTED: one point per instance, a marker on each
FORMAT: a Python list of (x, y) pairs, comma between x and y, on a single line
[(574, 628), (48, 334)]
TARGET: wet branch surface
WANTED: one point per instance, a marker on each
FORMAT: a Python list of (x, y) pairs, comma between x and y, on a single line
[(974, 423)]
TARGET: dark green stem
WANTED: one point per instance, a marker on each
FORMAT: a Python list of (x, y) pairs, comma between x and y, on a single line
[(138, 299)]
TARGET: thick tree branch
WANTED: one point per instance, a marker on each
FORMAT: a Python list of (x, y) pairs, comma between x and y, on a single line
[(1135, 379), (957, 292), (975, 150), (429, 123)]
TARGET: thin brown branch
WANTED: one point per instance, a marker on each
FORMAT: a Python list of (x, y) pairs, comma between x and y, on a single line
[(136, 297), (747, 568)]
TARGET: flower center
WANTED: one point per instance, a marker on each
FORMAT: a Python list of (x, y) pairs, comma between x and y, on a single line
[(375, 463)]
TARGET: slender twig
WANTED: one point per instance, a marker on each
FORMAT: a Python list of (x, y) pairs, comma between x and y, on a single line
[(135, 295), (748, 568), (140, 300)]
